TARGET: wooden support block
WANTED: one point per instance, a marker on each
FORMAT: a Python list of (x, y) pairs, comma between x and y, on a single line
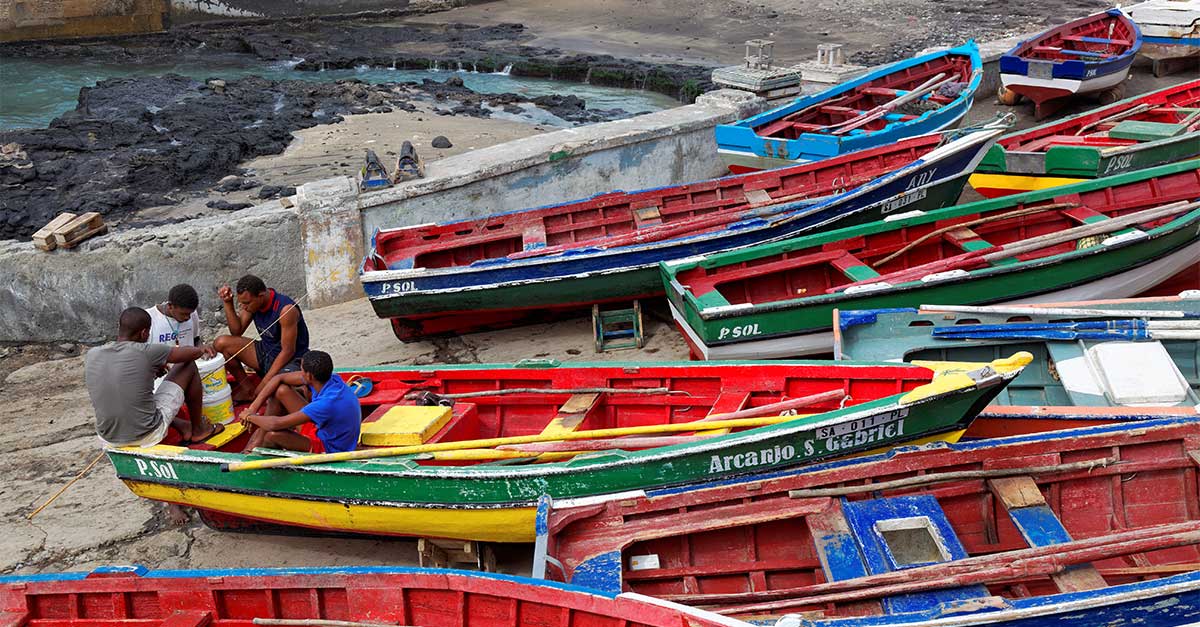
[(430, 555), (78, 229), (44, 238), (571, 414), (439, 553), (757, 196)]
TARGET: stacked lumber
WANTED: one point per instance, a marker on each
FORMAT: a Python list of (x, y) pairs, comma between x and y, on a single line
[(68, 230)]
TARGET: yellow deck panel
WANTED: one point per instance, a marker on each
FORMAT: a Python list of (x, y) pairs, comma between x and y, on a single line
[(405, 425)]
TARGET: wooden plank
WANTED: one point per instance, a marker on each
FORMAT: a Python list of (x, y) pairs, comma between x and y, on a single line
[(79, 229), (1040, 527), (757, 196), (572, 414), (838, 552), (727, 402), (14, 619), (1016, 492), (44, 237)]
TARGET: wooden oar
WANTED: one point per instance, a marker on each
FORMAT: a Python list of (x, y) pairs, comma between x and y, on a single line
[(1065, 312), (995, 253), (883, 109), (970, 223), (631, 443), (394, 451), (1116, 117)]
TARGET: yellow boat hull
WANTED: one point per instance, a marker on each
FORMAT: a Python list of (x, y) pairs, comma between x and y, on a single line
[(487, 525), (997, 185)]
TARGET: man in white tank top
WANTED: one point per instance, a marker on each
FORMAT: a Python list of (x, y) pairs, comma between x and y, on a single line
[(175, 322)]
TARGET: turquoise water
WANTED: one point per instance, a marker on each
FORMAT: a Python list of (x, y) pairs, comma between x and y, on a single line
[(33, 92)]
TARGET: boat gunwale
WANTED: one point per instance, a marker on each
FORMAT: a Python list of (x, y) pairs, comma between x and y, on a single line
[(724, 312)]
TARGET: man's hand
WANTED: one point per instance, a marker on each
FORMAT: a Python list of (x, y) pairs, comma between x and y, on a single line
[(245, 417), (225, 293), (208, 351)]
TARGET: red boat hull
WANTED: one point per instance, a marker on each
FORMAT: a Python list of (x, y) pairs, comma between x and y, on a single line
[(425, 597)]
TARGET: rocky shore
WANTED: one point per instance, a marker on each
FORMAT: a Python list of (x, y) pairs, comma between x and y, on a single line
[(135, 143)]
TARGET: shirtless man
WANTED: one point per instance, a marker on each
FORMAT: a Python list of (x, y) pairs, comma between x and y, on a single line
[(283, 334)]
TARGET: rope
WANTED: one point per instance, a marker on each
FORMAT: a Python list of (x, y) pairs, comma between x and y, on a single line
[(64, 488)]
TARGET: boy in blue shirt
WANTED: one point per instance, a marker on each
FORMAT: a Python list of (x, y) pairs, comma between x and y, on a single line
[(328, 423)]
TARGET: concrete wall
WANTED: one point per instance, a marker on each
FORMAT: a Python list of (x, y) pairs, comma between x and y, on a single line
[(76, 294), (58, 19), (313, 251), (189, 10), (651, 150)]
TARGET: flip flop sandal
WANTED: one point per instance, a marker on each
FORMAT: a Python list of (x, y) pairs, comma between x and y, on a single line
[(362, 386), (216, 430)]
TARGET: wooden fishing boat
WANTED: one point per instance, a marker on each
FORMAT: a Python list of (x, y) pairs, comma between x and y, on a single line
[(1167, 22), (1185, 281), (1089, 55), (1094, 362), (911, 97), (474, 471), (1083, 527), (134, 596), (528, 265), (1108, 238), (1152, 129)]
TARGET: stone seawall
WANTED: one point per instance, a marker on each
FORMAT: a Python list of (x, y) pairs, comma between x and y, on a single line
[(75, 295)]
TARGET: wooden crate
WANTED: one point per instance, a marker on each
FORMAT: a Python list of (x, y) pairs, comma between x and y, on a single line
[(44, 238), (78, 229)]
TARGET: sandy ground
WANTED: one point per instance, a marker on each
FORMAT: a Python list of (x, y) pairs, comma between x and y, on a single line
[(338, 150), (49, 437)]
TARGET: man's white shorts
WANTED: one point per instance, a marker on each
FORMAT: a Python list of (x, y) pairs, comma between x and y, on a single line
[(168, 398)]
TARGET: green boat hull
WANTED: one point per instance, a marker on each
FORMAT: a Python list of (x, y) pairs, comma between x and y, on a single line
[(398, 486), (1092, 162), (710, 321)]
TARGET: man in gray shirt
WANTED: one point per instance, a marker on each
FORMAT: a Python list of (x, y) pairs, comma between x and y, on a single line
[(120, 381)]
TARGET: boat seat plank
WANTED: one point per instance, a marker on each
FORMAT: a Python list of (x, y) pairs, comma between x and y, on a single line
[(1085, 215), (774, 128), (650, 215), (572, 414), (1040, 527), (882, 91), (1095, 40), (907, 531), (966, 239), (838, 553), (757, 196), (533, 237), (727, 402), (187, 619), (1075, 374), (854, 268)]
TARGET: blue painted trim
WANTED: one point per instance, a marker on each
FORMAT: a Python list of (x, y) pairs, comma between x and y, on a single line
[(1172, 41), (277, 572), (803, 216), (1012, 63), (855, 317), (741, 136)]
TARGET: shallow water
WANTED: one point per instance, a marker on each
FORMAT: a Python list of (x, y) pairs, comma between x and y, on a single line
[(35, 91)]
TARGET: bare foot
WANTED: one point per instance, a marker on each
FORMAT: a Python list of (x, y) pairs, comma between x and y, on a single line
[(177, 516)]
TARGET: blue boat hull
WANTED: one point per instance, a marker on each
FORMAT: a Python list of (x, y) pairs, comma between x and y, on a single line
[(927, 184)]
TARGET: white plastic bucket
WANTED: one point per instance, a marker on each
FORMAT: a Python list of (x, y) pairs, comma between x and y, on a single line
[(212, 376), (218, 408)]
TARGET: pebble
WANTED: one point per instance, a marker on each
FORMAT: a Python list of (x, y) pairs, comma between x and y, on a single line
[(441, 142)]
